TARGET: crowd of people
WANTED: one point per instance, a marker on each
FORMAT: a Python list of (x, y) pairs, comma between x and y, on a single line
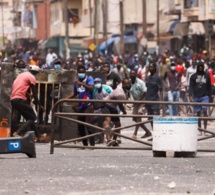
[(173, 76)]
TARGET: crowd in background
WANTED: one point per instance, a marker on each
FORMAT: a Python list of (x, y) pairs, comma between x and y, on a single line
[(172, 76)]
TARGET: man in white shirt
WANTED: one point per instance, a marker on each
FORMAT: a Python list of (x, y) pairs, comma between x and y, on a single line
[(191, 70), (138, 91), (50, 57)]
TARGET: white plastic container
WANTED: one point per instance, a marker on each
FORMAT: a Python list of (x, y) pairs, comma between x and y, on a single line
[(175, 134)]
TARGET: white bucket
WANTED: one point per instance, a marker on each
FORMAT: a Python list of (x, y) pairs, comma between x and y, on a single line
[(175, 134)]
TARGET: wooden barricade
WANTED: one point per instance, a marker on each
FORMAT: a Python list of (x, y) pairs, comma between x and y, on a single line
[(57, 115)]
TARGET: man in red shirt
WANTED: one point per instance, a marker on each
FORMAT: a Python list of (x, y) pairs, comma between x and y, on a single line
[(23, 84)]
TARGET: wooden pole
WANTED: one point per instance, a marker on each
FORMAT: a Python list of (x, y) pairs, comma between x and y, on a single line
[(144, 18), (96, 25), (45, 9), (2, 17), (104, 10), (90, 14), (121, 27), (158, 27), (66, 28)]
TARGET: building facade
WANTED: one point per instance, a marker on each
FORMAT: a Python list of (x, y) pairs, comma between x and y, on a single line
[(6, 22), (73, 25)]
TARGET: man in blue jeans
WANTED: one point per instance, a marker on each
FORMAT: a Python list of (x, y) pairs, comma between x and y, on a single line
[(200, 91), (174, 83)]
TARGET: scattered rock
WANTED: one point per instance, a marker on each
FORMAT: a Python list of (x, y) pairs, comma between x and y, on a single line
[(156, 178), (172, 185)]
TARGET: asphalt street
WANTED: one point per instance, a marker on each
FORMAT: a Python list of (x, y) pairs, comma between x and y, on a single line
[(75, 171)]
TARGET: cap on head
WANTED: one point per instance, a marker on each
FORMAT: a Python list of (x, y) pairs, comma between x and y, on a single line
[(34, 68), (98, 80), (57, 61), (200, 63), (172, 63), (20, 64)]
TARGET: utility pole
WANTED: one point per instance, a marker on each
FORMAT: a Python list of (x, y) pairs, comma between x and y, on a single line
[(90, 14), (158, 27), (144, 40), (104, 9), (96, 25), (2, 17), (45, 9), (66, 28), (144, 17), (121, 27)]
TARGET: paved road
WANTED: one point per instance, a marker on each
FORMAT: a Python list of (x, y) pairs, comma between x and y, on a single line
[(75, 171)]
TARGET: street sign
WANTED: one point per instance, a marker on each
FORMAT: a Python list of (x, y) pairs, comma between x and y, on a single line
[(25, 144), (92, 46)]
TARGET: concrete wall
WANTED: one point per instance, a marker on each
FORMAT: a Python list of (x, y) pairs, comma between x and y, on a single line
[(132, 13), (6, 81), (113, 25), (112, 15), (202, 12)]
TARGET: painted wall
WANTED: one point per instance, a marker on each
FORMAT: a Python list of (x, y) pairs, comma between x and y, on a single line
[(57, 22), (43, 17), (205, 11), (6, 21)]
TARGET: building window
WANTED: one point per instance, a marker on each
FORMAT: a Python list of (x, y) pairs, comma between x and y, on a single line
[(131, 29), (190, 4), (17, 19), (73, 16)]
